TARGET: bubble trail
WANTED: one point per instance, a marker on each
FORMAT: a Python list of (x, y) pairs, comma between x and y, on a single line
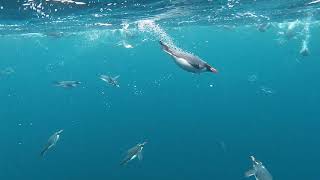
[(151, 27)]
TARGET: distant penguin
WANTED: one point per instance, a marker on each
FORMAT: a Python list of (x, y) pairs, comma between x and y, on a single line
[(52, 141), (259, 171), (7, 71), (135, 152), (54, 34), (67, 84), (110, 80), (187, 61)]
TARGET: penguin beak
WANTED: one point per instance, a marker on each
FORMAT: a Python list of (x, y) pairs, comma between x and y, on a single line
[(144, 143), (59, 132), (211, 69)]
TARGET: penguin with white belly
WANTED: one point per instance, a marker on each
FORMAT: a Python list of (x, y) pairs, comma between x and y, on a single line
[(52, 141), (135, 152), (187, 61), (259, 171)]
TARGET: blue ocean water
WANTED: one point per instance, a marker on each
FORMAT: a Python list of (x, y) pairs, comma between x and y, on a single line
[(263, 102)]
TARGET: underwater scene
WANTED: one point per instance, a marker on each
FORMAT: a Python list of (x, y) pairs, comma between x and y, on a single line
[(159, 89)]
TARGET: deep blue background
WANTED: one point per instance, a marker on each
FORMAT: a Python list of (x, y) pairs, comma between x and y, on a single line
[(194, 131)]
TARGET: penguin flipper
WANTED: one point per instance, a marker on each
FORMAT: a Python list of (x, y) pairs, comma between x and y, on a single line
[(116, 77), (249, 173), (140, 156)]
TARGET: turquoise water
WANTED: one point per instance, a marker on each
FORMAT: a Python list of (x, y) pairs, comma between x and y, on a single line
[(263, 102)]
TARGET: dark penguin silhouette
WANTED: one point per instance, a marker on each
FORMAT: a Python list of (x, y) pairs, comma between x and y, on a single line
[(67, 84), (133, 153), (187, 61)]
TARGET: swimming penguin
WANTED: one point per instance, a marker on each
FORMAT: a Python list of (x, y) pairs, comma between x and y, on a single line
[(187, 61), (55, 34), (52, 141), (110, 80), (7, 71), (67, 84), (259, 171), (133, 153)]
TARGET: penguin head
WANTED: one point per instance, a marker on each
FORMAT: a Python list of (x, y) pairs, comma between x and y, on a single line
[(255, 162), (211, 69), (59, 132), (144, 143)]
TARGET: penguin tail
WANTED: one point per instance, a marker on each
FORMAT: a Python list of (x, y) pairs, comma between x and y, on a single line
[(55, 83), (123, 163), (43, 152)]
